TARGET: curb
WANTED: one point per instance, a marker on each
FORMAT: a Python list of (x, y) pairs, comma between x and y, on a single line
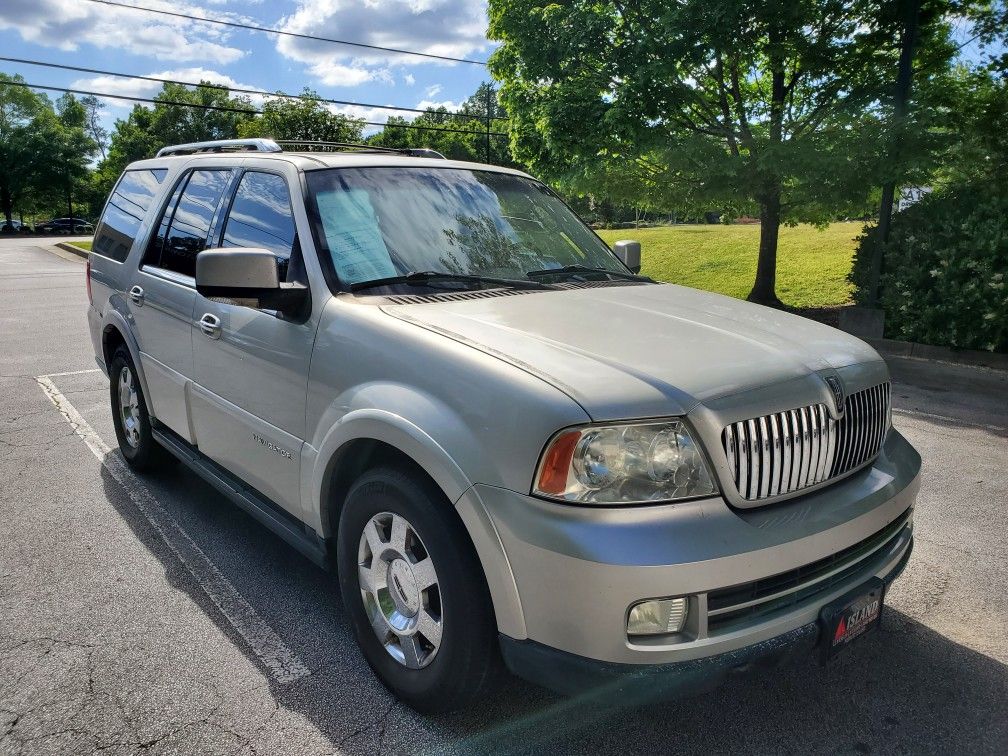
[(913, 351), (68, 247)]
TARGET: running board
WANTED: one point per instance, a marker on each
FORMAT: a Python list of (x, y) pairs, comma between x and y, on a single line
[(269, 514)]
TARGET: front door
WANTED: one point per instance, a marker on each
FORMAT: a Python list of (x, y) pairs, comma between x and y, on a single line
[(251, 366)]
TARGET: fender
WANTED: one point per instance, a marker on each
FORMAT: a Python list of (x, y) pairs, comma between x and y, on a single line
[(411, 440), (113, 317), (391, 429)]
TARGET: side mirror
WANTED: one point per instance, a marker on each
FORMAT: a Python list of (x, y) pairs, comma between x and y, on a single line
[(628, 251), (248, 273)]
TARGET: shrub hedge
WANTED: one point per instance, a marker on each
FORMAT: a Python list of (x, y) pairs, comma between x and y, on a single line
[(946, 269)]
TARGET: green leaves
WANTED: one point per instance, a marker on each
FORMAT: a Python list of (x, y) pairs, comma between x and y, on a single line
[(763, 94), (308, 119), (44, 152), (946, 268)]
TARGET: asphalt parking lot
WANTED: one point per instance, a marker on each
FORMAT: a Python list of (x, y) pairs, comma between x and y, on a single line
[(149, 615)]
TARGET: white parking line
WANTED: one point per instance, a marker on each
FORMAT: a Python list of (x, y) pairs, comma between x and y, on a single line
[(283, 664), (71, 372)]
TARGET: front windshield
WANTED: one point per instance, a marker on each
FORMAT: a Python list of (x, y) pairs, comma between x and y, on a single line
[(382, 222)]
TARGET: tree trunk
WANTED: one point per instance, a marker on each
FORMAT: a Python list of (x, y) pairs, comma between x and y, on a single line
[(69, 201), (764, 290), (901, 99), (7, 203)]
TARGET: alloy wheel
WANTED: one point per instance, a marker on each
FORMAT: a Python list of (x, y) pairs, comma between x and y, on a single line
[(129, 407), (400, 590)]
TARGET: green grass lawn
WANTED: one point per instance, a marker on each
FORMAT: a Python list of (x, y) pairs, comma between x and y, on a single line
[(82, 244), (812, 265)]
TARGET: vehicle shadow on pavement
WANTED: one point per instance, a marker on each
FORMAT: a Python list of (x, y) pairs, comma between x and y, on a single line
[(899, 691)]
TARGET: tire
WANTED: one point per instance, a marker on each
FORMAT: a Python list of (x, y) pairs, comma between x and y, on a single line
[(466, 660), (132, 426)]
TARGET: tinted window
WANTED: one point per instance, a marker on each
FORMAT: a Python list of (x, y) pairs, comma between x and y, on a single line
[(126, 209), (261, 215), (190, 222), (153, 254)]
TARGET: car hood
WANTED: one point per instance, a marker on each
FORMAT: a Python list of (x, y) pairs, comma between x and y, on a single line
[(641, 350)]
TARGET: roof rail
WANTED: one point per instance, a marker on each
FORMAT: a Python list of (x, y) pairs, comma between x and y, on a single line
[(221, 145), (359, 147), (270, 145)]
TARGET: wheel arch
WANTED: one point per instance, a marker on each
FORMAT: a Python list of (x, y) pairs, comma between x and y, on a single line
[(116, 332), (376, 440)]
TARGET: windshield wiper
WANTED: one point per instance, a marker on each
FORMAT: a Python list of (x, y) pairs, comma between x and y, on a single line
[(569, 270), (431, 276)]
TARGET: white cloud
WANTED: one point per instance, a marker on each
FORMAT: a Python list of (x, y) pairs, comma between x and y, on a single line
[(409, 80), (70, 24), (446, 104), (455, 28), (433, 91), (115, 85)]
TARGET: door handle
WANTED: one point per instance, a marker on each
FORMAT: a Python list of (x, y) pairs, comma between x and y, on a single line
[(137, 295), (210, 325)]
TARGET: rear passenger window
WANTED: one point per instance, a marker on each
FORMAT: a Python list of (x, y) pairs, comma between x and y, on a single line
[(125, 211), (261, 215), (186, 225)]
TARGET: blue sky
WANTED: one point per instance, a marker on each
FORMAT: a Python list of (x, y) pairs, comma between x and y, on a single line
[(93, 35)]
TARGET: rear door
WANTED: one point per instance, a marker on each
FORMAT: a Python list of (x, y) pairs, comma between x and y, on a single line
[(251, 367), (163, 292)]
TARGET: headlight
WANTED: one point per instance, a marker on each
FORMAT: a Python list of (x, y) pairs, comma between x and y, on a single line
[(631, 463)]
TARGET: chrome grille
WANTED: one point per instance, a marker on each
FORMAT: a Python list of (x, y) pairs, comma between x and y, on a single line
[(787, 451)]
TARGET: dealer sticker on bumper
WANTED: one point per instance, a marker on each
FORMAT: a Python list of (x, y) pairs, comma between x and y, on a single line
[(850, 617)]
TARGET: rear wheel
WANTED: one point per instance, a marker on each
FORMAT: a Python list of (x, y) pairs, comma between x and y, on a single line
[(415, 592), (130, 416)]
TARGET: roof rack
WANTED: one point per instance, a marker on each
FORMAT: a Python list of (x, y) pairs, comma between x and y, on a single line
[(221, 145), (271, 145), (313, 145)]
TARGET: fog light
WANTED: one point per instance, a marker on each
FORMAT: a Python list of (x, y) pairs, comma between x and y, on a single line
[(657, 617)]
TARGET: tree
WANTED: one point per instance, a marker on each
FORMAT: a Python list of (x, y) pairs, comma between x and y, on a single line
[(66, 149), (19, 106), (306, 118), (775, 105), (93, 108), (458, 135), (44, 152), (180, 114)]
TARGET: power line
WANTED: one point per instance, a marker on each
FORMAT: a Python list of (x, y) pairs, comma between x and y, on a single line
[(224, 87), (228, 109), (268, 30)]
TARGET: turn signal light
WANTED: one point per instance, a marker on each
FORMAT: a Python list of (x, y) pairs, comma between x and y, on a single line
[(556, 463)]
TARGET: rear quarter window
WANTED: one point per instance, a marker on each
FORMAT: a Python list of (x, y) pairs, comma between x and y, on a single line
[(125, 211)]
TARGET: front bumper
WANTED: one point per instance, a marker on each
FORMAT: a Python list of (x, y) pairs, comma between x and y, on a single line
[(577, 570), (570, 674)]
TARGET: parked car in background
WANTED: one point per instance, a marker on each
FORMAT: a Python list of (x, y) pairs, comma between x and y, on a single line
[(65, 226), (514, 449), (14, 227)]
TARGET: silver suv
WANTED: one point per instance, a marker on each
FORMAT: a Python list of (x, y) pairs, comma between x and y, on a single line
[(432, 377)]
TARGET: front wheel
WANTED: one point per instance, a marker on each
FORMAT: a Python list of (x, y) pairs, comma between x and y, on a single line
[(415, 592)]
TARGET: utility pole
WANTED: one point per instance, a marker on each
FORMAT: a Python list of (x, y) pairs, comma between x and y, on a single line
[(489, 116), (901, 99)]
